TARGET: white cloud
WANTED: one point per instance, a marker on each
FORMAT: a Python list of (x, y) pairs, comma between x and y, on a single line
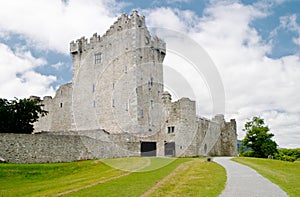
[(255, 84), (57, 65), (17, 76), (45, 25), (51, 25), (177, 1), (164, 17), (290, 24), (170, 18)]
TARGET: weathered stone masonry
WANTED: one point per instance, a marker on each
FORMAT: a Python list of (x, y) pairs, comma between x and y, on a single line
[(116, 106), (61, 147)]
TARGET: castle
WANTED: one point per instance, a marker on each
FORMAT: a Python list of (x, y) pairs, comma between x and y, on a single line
[(116, 99)]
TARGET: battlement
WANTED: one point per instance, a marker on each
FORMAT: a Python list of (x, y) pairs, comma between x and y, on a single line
[(122, 23)]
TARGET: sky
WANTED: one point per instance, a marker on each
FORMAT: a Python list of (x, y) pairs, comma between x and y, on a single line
[(253, 45)]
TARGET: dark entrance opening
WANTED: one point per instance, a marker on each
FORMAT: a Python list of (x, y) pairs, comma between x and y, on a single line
[(170, 149), (148, 149)]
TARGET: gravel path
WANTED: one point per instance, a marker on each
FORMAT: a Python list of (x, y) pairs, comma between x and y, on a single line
[(243, 181)]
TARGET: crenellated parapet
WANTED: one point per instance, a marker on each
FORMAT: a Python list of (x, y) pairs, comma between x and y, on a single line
[(124, 22)]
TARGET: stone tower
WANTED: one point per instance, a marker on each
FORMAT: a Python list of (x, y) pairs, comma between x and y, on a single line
[(118, 79)]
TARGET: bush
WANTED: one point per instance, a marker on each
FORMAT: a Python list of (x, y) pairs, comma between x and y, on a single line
[(282, 157), (249, 153), (286, 154)]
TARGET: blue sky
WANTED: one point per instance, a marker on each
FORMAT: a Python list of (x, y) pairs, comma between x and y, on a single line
[(255, 45)]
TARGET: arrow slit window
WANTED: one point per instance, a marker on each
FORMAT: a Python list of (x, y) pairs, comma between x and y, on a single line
[(98, 58)]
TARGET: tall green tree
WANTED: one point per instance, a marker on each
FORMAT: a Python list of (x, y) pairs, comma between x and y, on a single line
[(259, 139), (18, 116)]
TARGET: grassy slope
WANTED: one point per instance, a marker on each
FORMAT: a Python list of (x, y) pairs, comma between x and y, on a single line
[(46, 179), (52, 179), (284, 174), (196, 178), (135, 183)]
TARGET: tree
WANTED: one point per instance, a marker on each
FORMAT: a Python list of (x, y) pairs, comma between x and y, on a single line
[(258, 139), (18, 116)]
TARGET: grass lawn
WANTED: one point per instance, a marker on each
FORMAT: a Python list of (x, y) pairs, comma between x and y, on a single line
[(285, 174), (158, 176), (136, 183), (49, 179), (127, 164), (195, 178)]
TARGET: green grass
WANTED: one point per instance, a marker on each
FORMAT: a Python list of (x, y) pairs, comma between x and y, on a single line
[(297, 161), (157, 163), (49, 179), (104, 178), (195, 178), (136, 183), (285, 174), (127, 164)]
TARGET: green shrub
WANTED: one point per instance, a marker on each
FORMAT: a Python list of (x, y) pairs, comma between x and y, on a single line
[(286, 154), (249, 153), (280, 156)]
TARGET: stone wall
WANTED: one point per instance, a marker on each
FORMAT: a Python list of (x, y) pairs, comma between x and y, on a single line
[(226, 140), (27, 148), (48, 148)]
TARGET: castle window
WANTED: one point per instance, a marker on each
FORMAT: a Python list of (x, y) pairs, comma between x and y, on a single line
[(152, 50), (61, 105), (98, 58), (140, 23), (151, 104), (149, 121), (171, 129), (147, 40), (151, 81), (126, 106), (93, 87), (94, 103), (161, 55), (125, 69), (142, 113), (113, 103), (113, 85)]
